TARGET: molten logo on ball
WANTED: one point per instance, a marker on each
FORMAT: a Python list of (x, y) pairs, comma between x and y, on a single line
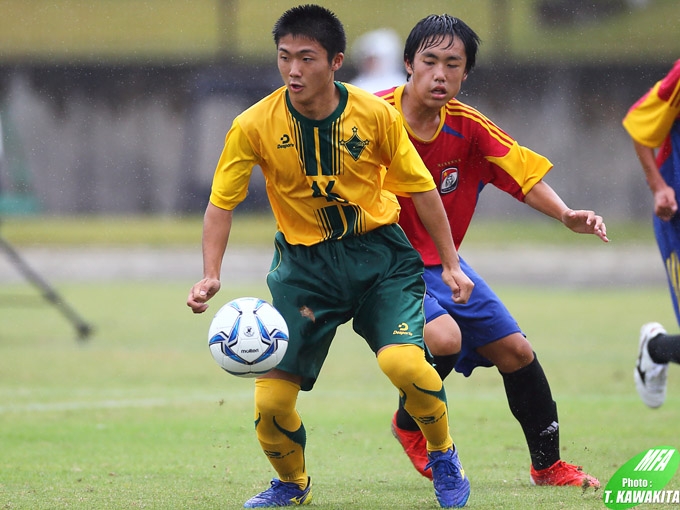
[(248, 337)]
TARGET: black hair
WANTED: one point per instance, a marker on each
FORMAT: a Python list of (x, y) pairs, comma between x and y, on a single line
[(313, 22), (435, 28)]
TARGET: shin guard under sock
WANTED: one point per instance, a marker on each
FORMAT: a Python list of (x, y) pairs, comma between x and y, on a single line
[(531, 403), (280, 430), (444, 366), (421, 390)]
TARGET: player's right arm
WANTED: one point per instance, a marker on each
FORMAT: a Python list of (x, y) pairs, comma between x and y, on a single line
[(648, 122), (229, 188), (665, 203), (216, 229)]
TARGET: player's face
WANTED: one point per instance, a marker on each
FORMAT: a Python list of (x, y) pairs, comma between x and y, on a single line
[(438, 72), (303, 64)]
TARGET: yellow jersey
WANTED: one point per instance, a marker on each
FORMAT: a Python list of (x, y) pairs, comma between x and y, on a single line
[(325, 179), (650, 119)]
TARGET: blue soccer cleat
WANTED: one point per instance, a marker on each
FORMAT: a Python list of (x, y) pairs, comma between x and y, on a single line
[(281, 494), (451, 486)]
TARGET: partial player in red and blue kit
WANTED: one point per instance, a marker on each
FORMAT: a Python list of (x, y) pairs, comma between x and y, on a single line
[(653, 122), (464, 152)]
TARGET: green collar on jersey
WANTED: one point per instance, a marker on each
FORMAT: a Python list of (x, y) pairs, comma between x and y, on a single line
[(328, 120)]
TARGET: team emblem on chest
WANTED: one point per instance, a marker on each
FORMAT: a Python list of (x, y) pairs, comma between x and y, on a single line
[(355, 145), (449, 180)]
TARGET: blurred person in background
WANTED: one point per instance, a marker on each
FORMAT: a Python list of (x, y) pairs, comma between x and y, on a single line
[(464, 152), (653, 122), (380, 60)]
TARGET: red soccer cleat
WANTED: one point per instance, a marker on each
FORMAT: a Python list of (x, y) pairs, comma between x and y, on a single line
[(561, 473), (415, 446)]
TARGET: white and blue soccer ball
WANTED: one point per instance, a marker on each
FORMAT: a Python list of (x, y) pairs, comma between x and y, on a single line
[(248, 337)]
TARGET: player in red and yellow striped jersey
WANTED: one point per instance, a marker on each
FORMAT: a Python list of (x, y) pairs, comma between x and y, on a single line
[(333, 156), (653, 122), (465, 152)]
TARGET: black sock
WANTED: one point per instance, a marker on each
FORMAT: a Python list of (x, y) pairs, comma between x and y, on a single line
[(664, 349), (443, 365), (404, 420), (531, 403)]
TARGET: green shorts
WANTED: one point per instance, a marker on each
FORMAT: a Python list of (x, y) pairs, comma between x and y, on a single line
[(375, 279)]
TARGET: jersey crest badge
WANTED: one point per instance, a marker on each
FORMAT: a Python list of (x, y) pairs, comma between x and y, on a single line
[(449, 181), (355, 145)]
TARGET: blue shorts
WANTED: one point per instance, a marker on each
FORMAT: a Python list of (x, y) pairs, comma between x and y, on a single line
[(482, 320), (667, 235)]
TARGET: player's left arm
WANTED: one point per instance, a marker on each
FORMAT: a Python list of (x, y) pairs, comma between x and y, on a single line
[(545, 200)]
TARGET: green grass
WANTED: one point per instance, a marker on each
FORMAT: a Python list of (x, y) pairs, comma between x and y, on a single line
[(129, 231), (258, 229), (140, 416)]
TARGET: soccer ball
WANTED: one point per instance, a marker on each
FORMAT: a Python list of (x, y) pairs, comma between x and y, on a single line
[(248, 337)]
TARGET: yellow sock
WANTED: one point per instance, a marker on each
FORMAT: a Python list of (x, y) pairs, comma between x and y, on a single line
[(421, 390), (279, 429)]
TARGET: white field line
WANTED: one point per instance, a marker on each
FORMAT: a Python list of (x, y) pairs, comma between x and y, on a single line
[(247, 395), (119, 403)]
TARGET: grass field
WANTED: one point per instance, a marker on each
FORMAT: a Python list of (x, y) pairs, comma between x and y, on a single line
[(257, 229), (140, 416)]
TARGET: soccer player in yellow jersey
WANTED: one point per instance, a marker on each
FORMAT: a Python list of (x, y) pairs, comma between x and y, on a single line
[(333, 157)]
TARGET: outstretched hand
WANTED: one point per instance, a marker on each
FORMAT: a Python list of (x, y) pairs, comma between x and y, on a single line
[(201, 292), (585, 222)]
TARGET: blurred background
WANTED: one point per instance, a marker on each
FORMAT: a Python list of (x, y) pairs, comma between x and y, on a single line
[(113, 115), (110, 108)]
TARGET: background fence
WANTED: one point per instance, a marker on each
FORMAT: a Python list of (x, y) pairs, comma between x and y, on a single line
[(122, 107)]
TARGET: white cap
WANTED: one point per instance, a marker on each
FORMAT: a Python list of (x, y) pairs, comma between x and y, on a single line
[(383, 43)]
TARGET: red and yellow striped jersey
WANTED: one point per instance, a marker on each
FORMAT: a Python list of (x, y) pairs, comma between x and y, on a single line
[(467, 152), (650, 119)]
